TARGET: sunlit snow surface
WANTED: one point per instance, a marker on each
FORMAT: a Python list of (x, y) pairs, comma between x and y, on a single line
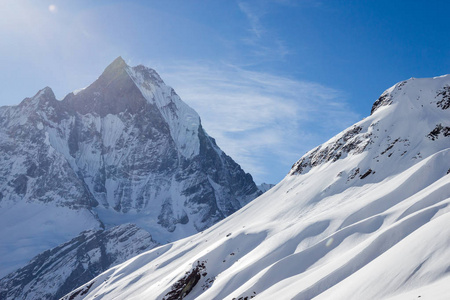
[(182, 120), (364, 216)]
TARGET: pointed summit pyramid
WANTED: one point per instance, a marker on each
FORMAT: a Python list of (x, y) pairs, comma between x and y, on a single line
[(119, 62), (112, 93), (124, 149)]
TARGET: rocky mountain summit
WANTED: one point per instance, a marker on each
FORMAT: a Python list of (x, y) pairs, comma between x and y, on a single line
[(125, 149), (366, 215)]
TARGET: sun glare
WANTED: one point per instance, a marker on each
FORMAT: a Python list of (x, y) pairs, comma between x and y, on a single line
[(52, 8)]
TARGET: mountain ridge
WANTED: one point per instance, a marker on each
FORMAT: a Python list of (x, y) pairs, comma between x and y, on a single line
[(124, 149), (363, 216)]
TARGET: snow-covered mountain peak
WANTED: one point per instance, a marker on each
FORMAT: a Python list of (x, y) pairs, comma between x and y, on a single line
[(42, 97), (45, 93), (183, 121), (413, 89), (386, 135), (118, 66), (114, 68), (122, 89), (118, 62), (123, 149), (147, 74)]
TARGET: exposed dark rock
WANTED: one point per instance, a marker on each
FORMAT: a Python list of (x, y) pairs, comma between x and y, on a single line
[(391, 145), (184, 286), (353, 174), (384, 100), (444, 103), (82, 291), (367, 173), (434, 134), (20, 184), (350, 141)]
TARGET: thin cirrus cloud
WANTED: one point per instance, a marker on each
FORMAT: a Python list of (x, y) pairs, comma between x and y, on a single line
[(254, 18), (264, 43), (255, 116)]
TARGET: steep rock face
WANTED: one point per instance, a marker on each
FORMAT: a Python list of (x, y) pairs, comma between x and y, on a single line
[(30, 163), (124, 149), (55, 272), (365, 215)]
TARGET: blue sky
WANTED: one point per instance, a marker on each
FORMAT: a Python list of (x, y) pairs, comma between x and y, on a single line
[(271, 79)]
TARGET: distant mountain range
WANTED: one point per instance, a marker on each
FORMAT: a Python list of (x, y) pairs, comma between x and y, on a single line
[(365, 215), (125, 149)]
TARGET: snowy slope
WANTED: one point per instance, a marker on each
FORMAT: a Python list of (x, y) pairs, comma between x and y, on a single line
[(125, 149), (366, 215)]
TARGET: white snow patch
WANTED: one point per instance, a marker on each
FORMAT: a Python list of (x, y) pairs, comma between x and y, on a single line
[(183, 121), (78, 90)]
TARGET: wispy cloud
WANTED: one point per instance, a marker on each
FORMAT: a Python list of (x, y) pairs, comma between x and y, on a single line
[(254, 18), (259, 117), (264, 42)]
